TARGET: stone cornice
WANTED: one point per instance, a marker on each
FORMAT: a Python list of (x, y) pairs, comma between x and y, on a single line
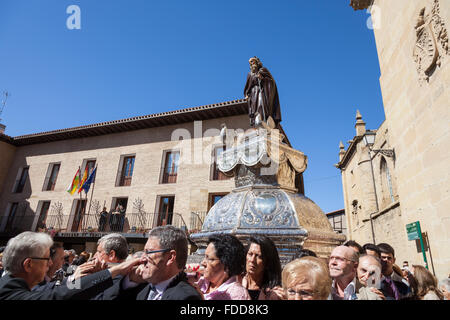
[(218, 110)]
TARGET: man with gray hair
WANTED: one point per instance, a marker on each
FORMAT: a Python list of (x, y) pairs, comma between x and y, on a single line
[(27, 260), (112, 249), (161, 276), (369, 275)]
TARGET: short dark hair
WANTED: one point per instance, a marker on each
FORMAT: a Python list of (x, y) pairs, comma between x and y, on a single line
[(372, 247), (386, 248), (352, 243), (271, 261), (53, 248), (231, 253), (306, 253)]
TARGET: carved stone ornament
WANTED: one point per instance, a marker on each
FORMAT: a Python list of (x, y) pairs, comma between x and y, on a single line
[(431, 42), (260, 149)]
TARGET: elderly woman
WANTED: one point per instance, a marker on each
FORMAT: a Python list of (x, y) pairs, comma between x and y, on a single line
[(223, 263), (263, 270), (306, 278)]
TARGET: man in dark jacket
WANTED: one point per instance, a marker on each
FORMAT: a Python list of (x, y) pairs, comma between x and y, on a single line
[(391, 284), (112, 249), (27, 260), (54, 275), (161, 275)]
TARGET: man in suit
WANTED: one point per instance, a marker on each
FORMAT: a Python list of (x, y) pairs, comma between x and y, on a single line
[(112, 249), (57, 260), (27, 260), (161, 275), (391, 284)]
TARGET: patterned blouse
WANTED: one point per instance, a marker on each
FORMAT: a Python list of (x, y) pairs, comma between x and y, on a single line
[(232, 289)]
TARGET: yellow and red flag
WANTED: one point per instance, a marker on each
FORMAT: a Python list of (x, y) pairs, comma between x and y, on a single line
[(83, 180), (75, 183)]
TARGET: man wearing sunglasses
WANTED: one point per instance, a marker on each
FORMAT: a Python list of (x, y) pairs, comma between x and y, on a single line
[(161, 275), (27, 260)]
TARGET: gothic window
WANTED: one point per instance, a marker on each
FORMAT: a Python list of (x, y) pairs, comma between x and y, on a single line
[(386, 181)]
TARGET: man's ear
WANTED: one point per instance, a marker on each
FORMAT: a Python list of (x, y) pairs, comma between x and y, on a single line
[(112, 255), (27, 265), (172, 258)]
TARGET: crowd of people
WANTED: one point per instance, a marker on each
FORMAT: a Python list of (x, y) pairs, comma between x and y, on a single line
[(33, 267)]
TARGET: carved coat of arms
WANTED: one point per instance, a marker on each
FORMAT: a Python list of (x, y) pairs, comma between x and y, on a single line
[(431, 43)]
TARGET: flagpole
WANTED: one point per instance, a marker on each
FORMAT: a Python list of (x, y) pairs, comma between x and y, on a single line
[(92, 193)]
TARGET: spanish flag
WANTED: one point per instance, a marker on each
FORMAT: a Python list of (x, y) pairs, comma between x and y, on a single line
[(83, 180), (75, 183)]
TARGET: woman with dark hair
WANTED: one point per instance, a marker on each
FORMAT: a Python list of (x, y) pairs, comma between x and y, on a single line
[(263, 270), (224, 261)]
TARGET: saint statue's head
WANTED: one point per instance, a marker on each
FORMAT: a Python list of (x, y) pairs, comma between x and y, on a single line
[(255, 64)]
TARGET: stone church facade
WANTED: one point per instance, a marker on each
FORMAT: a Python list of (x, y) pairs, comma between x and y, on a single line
[(410, 179)]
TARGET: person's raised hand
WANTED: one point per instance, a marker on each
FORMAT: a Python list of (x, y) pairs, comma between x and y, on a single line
[(135, 274), (276, 293), (378, 292), (125, 268), (89, 267)]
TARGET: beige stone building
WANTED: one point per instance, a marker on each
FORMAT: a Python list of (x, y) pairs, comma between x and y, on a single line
[(160, 167), (412, 184)]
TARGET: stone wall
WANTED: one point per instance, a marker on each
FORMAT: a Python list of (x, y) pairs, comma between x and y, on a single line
[(416, 104)]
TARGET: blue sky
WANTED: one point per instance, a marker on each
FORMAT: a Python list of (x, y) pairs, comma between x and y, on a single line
[(138, 57)]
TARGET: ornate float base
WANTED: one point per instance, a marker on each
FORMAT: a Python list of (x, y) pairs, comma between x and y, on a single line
[(265, 201)]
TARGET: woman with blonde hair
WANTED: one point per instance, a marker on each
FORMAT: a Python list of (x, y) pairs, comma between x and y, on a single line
[(306, 278), (427, 285)]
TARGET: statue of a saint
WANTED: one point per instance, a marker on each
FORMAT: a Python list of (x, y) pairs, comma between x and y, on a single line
[(262, 95)]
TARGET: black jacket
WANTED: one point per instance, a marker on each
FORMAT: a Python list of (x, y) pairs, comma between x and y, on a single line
[(101, 295), (178, 289), (12, 288), (403, 289)]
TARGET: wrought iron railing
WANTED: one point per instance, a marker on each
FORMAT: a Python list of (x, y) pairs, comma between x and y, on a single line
[(196, 221), (127, 223), (94, 222)]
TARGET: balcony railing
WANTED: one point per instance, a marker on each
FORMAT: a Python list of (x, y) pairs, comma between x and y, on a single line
[(128, 223), (196, 221)]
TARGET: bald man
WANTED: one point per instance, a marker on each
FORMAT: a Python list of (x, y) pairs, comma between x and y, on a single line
[(343, 266)]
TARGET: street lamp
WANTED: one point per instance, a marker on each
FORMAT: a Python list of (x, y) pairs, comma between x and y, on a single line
[(369, 140)]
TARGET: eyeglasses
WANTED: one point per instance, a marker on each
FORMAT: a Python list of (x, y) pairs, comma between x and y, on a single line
[(149, 252), (341, 259), (39, 258), (302, 293)]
